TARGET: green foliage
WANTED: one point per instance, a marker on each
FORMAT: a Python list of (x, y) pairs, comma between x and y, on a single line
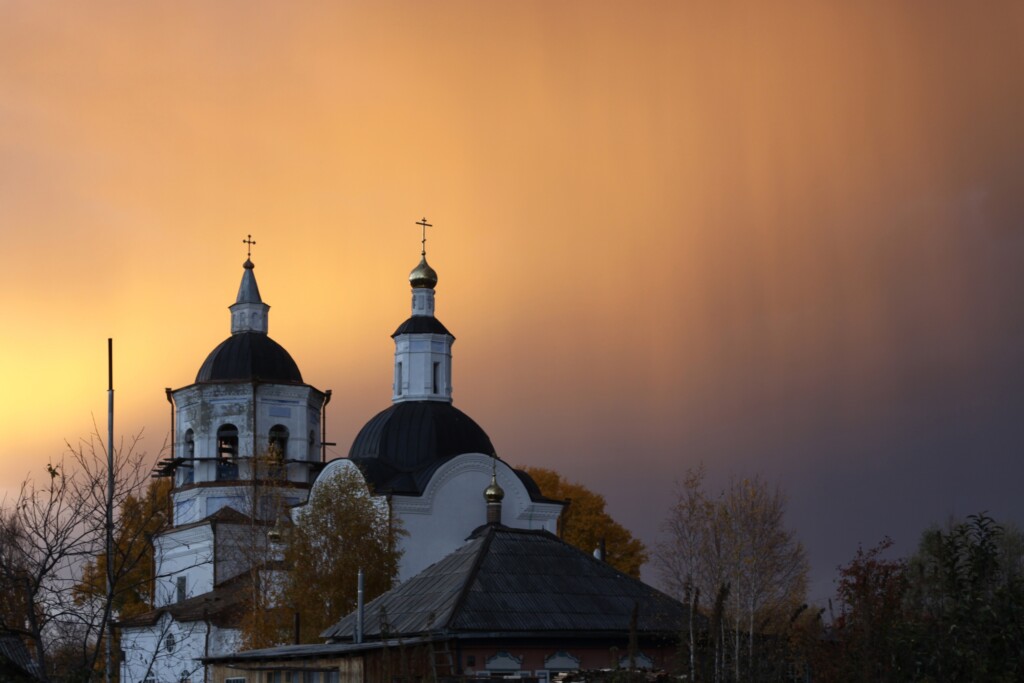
[(966, 598), (953, 612)]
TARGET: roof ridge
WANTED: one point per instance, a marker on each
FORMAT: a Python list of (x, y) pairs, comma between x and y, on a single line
[(481, 553)]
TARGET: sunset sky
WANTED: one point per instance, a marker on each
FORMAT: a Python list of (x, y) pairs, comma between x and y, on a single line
[(782, 238)]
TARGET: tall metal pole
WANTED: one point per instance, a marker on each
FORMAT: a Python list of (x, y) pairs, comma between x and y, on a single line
[(110, 503), (359, 607)]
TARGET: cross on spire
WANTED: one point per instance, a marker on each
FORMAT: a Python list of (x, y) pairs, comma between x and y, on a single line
[(249, 241), (423, 242)]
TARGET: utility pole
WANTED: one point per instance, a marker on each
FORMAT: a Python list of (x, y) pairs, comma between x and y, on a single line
[(110, 505)]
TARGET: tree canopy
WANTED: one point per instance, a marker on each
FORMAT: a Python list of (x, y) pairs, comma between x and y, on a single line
[(954, 611), (585, 523), (734, 550), (54, 531), (141, 518), (341, 530)]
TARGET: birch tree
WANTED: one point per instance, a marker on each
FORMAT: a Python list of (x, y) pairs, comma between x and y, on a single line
[(736, 545)]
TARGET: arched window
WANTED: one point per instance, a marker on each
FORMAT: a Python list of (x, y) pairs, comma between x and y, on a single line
[(190, 444), (278, 441), (227, 441)]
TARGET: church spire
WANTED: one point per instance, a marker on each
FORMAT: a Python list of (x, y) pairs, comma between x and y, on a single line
[(423, 347), (249, 313)]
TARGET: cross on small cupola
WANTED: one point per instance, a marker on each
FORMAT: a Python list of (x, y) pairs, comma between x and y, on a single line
[(423, 276), (248, 313), (423, 235), (248, 241)]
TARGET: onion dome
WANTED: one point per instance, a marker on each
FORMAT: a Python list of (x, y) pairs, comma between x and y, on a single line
[(423, 276), (494, 493)]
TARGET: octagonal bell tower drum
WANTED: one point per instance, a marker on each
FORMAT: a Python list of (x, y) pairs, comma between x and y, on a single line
[(248, 422)]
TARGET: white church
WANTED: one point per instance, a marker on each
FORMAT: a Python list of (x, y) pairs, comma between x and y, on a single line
[(249, 426)]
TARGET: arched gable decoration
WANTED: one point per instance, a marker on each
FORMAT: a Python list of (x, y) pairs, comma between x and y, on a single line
[(562, 661), (640, 661), (503, 661)]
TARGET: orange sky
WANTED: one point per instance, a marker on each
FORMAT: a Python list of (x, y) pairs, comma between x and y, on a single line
[(775, 237)]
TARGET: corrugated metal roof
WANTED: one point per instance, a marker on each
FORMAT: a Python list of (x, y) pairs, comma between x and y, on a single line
[(13, 650), (516, 580)]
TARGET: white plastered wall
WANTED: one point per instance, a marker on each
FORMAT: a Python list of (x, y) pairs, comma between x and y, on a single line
[(183, 552), (453, 505), (146, 651)]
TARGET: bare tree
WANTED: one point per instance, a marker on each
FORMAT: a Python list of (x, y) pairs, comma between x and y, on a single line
[(52, 530)]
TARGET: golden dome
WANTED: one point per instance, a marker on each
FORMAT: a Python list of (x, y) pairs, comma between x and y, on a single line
[(423, 276), (494, 493)]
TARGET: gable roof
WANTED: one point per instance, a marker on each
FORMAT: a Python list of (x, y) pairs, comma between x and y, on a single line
[(510, 581), (223, 606)]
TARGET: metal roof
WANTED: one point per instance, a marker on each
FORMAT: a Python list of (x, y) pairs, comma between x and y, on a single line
[(512, 581), (14, 652), (223, 606), (422, 324), (413, 435), (248, 356)]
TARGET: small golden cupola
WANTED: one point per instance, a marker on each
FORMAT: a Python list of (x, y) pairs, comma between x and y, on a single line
[(494, 494), (423, 346), (423, 276)]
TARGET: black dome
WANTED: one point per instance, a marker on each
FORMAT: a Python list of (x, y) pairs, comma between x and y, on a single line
[(248, 356), (413, 435)]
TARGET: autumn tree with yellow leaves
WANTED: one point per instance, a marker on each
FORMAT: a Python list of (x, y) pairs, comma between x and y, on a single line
[(142, 516), (311, 566), (341, 530), (586, 525)]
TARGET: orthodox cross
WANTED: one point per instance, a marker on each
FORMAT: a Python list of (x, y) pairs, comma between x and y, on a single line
[(423, 242), (250, 241)]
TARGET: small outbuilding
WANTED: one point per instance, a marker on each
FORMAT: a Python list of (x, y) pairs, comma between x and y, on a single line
[(509, 602)]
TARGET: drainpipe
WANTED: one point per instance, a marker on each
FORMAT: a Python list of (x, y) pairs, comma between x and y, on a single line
[(171, 401), (323, 426)]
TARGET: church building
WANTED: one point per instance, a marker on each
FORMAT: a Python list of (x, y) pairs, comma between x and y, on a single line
[(429, 458), (248, 439)]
